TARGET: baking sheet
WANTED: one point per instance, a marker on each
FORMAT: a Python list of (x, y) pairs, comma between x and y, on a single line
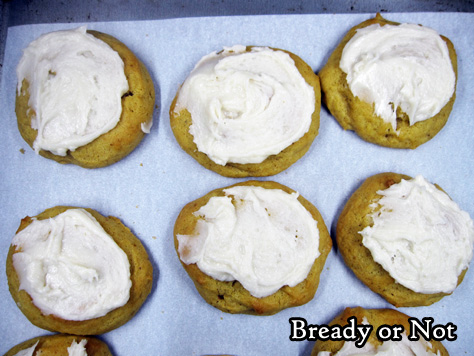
[(147, 189)]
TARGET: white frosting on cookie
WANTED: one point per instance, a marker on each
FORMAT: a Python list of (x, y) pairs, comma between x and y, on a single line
[(77, 349), (263, 238), (420, 236), (71, 267), (146, 126), (29, 351), (76, 83), (246, 106), (406, 66), (404, 347)]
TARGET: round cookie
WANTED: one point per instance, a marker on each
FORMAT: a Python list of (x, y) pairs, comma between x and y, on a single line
[(376, 318), (181, 122), (355, 216), (357, 115), (141, 275), (231, 296), (137, 110), (57, 345)]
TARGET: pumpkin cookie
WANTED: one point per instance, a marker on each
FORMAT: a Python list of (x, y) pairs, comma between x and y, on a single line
[(254, 247), (393, 84), (83, 98), (247, 111), (59, 345), (377, 318), (405, 239), (74, 271)]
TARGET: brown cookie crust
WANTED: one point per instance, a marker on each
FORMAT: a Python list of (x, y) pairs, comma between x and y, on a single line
[(180, 123), (354, 218), (357, 115), (56, 345), (232, 297), (376, 318), (141, 275), (137, 108)]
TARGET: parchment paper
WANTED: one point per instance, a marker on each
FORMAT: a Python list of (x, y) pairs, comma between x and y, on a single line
[(147, 189)]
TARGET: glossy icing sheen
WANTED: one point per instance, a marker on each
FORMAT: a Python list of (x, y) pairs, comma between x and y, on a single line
[(404, 347), (76, 83), (71, 267), (263, 238), (246, 106), (420, 236), (406, 66)]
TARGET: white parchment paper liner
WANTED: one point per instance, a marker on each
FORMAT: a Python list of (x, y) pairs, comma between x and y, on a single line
[(148, 188)]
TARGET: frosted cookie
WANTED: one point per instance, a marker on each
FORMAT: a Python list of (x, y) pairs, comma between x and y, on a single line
[(59, 345), (247, 111), (254, 247), (374, 346), (83, 97), (74, 271), (393, 84), (405, 239)]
